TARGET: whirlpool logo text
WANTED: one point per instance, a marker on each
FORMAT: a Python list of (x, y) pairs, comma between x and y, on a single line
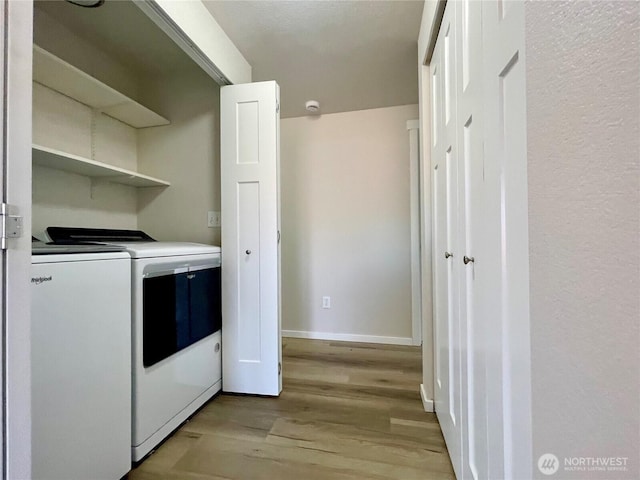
[(39, 280)]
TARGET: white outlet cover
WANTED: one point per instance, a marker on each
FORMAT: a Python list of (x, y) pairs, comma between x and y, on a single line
[(326, 302)]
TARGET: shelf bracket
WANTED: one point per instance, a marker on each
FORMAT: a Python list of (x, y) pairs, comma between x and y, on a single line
[(94, 113)]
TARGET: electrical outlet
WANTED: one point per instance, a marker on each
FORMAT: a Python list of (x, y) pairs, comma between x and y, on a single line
[(213, 219), (326, 302)]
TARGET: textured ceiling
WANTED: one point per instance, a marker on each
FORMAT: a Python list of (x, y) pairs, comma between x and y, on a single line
[(348, 55)]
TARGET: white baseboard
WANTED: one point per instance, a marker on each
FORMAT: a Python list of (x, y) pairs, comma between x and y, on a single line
[(426, 402), (347, 337)]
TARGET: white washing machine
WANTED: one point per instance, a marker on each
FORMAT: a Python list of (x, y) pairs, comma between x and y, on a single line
[(81, 365), (176, 321)]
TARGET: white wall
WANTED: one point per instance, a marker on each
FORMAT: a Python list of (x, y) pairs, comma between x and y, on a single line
[(66, 199), (583, 98), (186, 153), (54, 37), (346, 224), (59, 122)]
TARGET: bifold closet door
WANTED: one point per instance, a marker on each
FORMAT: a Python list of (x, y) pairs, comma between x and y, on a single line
[(445, 254), (482, 391), (458, 212), (251, 345), (507, 253), (473, 268)]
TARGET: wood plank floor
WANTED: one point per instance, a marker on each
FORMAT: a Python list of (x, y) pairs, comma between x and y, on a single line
[(347, 411)]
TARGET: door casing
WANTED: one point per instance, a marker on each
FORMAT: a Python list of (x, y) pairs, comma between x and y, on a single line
[(16, 53)]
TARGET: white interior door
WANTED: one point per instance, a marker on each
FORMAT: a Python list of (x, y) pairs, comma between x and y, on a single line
[(473, 273), (482, 391), (251, 341), (16, 20), (507, 256), (446, 261)]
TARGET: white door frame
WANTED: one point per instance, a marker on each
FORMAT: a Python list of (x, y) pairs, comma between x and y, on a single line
[(431, 19), (413, 126), (192, 28), (16, 58)]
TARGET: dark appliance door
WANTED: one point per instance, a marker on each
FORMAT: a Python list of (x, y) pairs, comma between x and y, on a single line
[(205, 307)]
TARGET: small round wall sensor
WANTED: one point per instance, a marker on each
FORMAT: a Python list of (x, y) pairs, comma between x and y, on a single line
[(312, 106), (87, 3)]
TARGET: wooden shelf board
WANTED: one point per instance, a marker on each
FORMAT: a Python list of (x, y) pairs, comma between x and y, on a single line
[(64, 78), (48, 157)]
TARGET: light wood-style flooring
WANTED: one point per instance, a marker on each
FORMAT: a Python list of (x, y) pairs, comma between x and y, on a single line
[(347, 411)]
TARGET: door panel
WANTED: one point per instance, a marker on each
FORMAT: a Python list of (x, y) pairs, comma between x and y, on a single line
[(248, 131), (165, 317), (204, 303), (444, 157), (508, 350), (250, 225), (472, 278), (249, 315), (452, 297), (439, 232)]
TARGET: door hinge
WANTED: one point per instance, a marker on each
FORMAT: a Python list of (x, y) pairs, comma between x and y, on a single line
[(278, 236), (277, 107), (279, 368), (10, 224)]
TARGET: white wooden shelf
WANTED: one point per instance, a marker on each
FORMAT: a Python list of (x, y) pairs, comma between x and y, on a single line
[(48, 157), (63, 77)]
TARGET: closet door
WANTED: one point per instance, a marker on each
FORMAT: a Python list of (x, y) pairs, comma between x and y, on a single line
[(482, 391), (16, 24), (446, 261), (507, 254), (250, 238), (473, 267)]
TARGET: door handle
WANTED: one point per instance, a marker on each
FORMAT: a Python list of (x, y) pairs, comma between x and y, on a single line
[(447, 254), (468, 260)]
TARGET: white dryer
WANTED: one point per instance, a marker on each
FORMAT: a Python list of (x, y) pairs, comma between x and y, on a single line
[(176, 321)]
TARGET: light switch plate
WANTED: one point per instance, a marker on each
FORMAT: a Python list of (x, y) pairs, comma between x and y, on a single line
[(213, 219)]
